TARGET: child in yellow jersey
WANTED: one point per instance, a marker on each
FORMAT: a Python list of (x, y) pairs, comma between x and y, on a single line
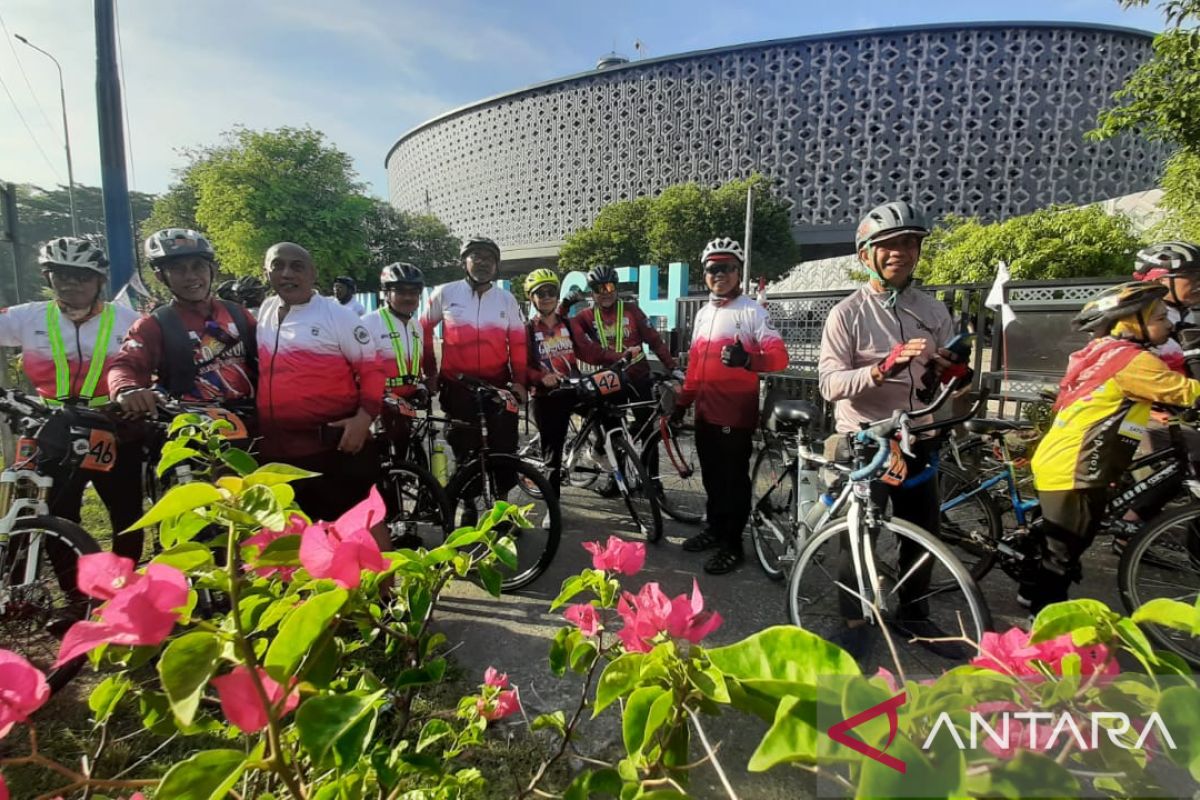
[(1102, 410)]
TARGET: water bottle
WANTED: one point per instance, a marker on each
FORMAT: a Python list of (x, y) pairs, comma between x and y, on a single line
[(440, 462), (813, 518)]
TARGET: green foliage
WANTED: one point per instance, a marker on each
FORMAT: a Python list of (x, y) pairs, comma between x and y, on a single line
[(420, 239), (1181, 198), (677, 224), (1051, 243)]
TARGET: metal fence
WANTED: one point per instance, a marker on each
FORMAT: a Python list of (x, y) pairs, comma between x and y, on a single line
[(1014, 364)]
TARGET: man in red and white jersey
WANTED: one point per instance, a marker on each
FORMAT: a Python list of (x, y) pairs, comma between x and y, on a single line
[(66, 346), (320, 386), (483, 336), (732, 341)]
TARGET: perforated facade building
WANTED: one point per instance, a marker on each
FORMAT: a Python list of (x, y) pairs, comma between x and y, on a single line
[(979, 119)]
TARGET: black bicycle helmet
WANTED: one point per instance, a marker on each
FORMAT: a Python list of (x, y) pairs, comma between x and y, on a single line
[(1115, 303), (347, 281), (401, 274), (600, 275), (227, 290), (479, 243), (251, 291)]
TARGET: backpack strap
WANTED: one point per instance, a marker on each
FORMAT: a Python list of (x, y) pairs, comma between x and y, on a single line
[(247, 333), (177, 372)]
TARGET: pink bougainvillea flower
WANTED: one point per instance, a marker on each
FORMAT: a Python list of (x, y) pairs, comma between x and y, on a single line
[(645, 614), (1012, 654), (102, 575), (493, 677), (504, 702), (617, 555), (888, 678), (1008, 653), (1018, 737), (585, 617), (3, 789), (341, 550), (241, 703), (1093, 657), (23, 690), (688, 619), (296, 526), (142, 612)]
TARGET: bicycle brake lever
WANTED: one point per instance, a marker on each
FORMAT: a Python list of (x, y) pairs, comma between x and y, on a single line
[(906, 439)]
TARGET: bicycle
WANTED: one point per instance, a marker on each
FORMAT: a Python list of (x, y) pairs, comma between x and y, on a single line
[(39, 553), (418, 508), (887, 572)]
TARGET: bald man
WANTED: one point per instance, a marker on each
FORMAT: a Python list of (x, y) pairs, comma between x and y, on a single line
[(320, 386)]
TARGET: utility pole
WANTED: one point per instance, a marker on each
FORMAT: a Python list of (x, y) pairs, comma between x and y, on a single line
[(9, 202), (62, 96), (118, 221)]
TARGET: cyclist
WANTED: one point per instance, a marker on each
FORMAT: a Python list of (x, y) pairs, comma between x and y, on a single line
[(321, 386), (397, 335), (344, 288), (483, 337), (875, 348), (250, 292), (551, 358), (1102, 409), (197, 347), (732, 341), (66, 343)]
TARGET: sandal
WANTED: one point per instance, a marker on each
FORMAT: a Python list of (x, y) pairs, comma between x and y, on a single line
[(704, 540), (724, 561)]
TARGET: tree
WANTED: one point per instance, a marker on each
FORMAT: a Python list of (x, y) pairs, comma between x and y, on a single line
[(676, 225), (420, 239), (1052, 243)]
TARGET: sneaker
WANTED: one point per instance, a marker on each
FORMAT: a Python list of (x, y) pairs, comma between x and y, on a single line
[(856, 640), (928, 629), (723, 562)]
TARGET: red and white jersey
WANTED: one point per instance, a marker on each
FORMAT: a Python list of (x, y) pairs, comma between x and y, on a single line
[(399, 353), (728, 396), (317, 366), (483, 335), (25, 326)]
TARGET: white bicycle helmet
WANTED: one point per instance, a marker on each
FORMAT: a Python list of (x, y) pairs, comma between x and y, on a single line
[(723, 246), (172, 243), (69, 251)]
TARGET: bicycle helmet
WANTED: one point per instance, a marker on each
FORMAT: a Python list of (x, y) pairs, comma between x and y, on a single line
[(71, 251), (227, 290), (723, 246), (1165, 259), (171, 243), (250, 291), (539, 277), (889, 221), (401, 274), (479, 243), (601, 275), (1106, 309), (347, 281)]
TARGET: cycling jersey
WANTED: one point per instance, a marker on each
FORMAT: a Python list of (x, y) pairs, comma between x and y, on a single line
[(551, 351), (728, 396), (355, 306), (57, 354), (222, 371), (483, 335), (398, 350), (317, 366), (601, 341), (1093, 438)]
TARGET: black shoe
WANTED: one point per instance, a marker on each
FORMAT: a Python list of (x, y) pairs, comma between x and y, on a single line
[(724, 561), (856, 641), (928, 629), (704, 540)]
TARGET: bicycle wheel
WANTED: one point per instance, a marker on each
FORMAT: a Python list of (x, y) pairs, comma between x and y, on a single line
[(1164, 561), (582, 463), (971, 526), (821, 601), (470, 496), (530, 451), (639, 493), (771, 525), (677, 474), (418, 511), (39, 601)]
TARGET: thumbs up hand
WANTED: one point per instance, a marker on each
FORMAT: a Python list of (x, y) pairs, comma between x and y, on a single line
[(735, 355)]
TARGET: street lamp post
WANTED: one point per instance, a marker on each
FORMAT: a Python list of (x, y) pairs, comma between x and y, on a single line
[(62, 94)]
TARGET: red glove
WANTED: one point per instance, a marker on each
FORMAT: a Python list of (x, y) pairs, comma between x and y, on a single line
[(892, 365)]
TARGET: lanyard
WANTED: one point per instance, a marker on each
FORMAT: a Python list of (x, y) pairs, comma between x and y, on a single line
[(62, 369), (414, 348), (620, 332)]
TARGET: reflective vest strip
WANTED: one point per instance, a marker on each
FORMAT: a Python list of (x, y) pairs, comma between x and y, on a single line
[(620, 326), (414, 347), (62, 368)]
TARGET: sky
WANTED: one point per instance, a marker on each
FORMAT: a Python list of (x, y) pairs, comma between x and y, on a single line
[(366, 71)]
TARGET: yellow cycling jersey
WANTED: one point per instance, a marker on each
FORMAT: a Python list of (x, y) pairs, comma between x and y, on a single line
[(1093, 440)]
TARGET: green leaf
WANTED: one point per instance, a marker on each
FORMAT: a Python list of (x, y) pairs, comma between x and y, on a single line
[(588, 784), (922, 777), (560, 651), (431, 672), (300, 629), (321, 721), (1029, 775), (177, 500), (208, 775), (491, 579), (174, 455), (1169, 614), (182, 528), (636, 721), (505, 550), (1059, 618), (185, 668), (433, 731), (1179, 708), (283, 552), (155, 711), (791, 737), (556, 721), (271, 474), (277, 611), (464, 537), (186, 557), (239, 461), (618, 678), (571, 587), (260, 503), (104, 698), (583, 655)]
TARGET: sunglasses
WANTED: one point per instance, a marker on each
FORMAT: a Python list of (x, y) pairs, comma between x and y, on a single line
[(718, 268), (546, 291), (604, 288), (71, 275)]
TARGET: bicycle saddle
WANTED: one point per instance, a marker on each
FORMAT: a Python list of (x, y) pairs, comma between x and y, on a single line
[(797, 412), (989, 425)]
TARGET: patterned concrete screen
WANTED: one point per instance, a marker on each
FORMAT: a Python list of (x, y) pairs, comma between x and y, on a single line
[(981, 119)]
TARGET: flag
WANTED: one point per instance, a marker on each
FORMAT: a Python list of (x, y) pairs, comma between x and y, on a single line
[(995, 299), (762, 292)]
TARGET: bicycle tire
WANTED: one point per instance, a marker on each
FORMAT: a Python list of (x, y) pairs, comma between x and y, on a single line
[(634, 483), (577, 446), (51, 606), (680, 498), (773, 498), (415, 500), (530, 451), (536, 546), (1167, 547), (974, 527), (811, 563)]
